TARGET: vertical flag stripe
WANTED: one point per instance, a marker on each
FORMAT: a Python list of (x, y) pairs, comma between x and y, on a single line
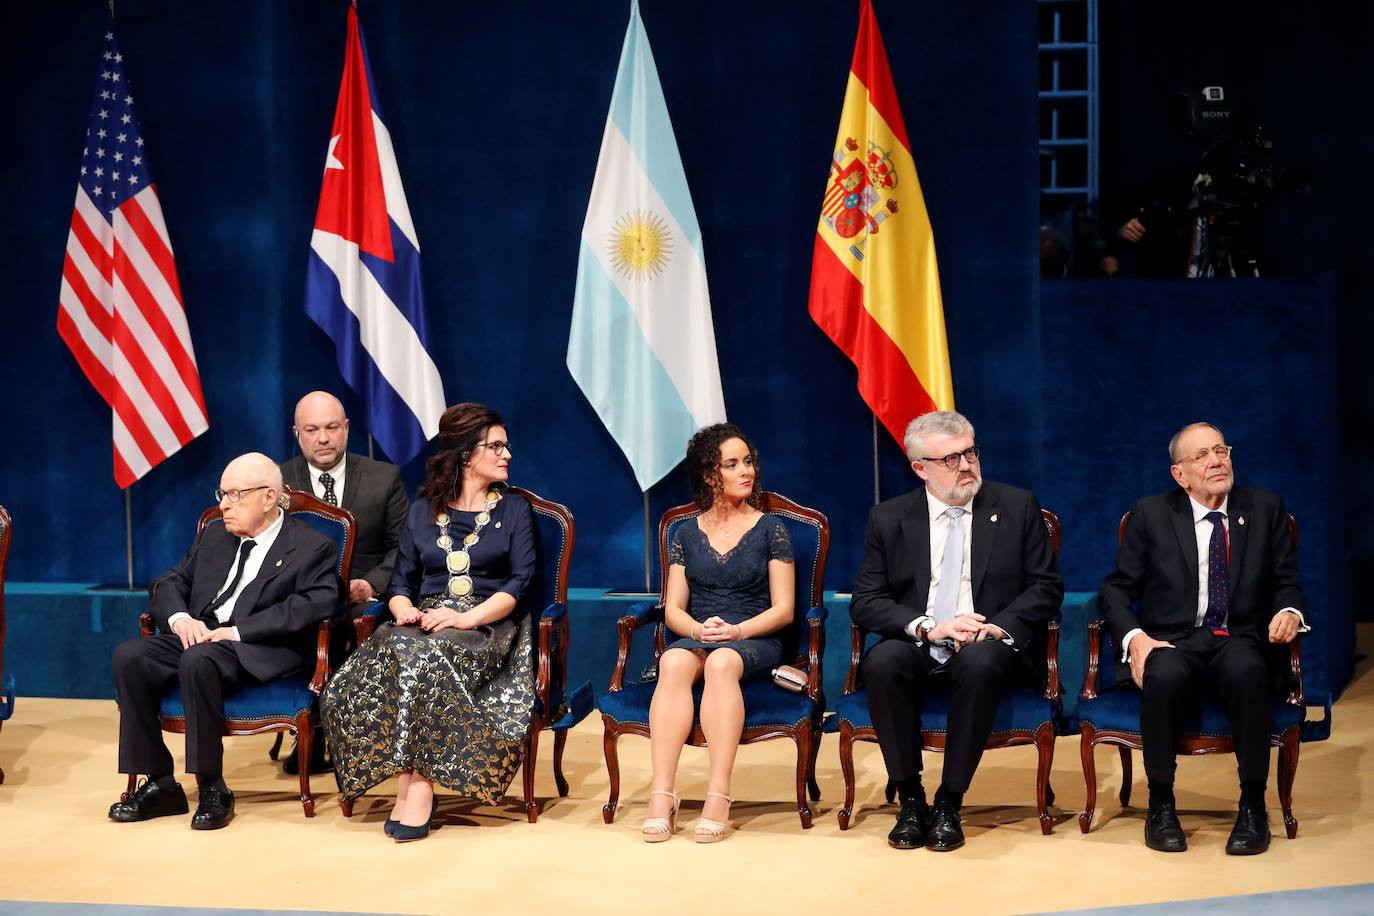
[(120, 309)]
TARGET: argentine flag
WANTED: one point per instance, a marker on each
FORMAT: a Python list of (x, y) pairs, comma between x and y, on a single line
[(363, 282), (642, 347)]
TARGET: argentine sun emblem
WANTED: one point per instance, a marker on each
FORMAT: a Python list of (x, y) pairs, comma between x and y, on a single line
[(640, 245)]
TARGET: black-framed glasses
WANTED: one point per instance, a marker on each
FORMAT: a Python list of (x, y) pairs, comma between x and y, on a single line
[(1221, 451), (951, 460), (497, 447), (235, 495)]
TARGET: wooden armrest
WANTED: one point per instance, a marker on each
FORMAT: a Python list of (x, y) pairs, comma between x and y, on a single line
[(1053, 691), (317, 680), (1295, 665), (815, 651), (624, 633), (856, 651), (145, 624), (553, 624), (1089, 691)]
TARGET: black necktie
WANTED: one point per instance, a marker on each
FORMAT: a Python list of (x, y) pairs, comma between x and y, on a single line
[(1218, 575), (328, 483), (245, 548)]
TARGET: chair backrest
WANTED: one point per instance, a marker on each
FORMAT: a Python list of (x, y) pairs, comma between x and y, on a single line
[(810, 533), (334, 522), (554, 535), (6, 529), (1106, 670)]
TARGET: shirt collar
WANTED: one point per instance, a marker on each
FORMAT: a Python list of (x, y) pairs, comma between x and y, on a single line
[(336, 471), (938, 508), (1200, 511), (266, 539)]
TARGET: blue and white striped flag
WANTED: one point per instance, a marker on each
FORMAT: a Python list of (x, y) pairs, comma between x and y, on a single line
[(363, 282), (642, 348)]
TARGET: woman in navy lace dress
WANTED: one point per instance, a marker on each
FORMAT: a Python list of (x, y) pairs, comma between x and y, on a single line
[(730, 590)]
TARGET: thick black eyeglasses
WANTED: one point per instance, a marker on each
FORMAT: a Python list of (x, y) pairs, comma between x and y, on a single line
[(235, 495), (496, 447), (951, 460)]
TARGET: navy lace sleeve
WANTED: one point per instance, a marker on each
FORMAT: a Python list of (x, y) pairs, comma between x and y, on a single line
[(780, 543), (675, 557)]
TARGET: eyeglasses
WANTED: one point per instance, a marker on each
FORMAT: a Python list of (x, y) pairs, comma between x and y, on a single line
[(496, 447), (951, 460), (1221, 451), (235, 495)]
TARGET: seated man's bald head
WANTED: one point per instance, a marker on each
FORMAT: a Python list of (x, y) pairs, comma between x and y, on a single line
[(251, 485), (321, 429)]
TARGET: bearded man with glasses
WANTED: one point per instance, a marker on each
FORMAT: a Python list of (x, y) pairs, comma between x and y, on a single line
[(1206, 581), (242, 606), (959, 578)]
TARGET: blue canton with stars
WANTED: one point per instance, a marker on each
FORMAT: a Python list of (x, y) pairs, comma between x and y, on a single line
[(114, 166)]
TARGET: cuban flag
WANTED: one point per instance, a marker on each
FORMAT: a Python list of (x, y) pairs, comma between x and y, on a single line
[(642, 347), (362, 286)]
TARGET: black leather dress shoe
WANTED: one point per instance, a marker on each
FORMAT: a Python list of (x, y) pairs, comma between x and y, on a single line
[(216, 809), (148, 801), (291, 764), (910, 832), (1250, 836), (1163, 832), (944, 833)]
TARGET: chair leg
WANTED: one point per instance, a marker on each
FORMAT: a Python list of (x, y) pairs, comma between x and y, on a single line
[(847, 769), (1127, 776), (1288, 770), (1085, 749), (804, 737), (811, 783), (531, 755), (276, 746), (560, 739), (346, 806), (305, 735), (1044, 744), (613, 771)]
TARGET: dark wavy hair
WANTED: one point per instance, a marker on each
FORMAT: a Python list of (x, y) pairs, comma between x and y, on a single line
[(703, 463), (461, 429)]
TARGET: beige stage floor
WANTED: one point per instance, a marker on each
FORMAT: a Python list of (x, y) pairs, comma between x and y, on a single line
[(57, 845)]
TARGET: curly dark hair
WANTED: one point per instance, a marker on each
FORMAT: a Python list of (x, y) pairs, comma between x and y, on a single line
[(703, 463), (461, 429)]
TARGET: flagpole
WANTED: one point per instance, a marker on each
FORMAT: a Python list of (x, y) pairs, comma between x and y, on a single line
[(647, 544), (129, 534), (876, 498)]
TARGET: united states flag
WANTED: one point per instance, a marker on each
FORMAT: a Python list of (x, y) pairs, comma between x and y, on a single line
[(120, 310)]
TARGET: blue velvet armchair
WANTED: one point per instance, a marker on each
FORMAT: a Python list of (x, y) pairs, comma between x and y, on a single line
[(6, 681), (769, 710), (289, 703), (545, 599), (1023, 716), (1109, 713)]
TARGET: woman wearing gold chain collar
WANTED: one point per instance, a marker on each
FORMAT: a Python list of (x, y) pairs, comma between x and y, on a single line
[(443, 693), (730, 590)]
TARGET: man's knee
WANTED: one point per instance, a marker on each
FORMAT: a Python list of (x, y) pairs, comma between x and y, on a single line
[(984, 663), (1244, 671), (198, 661), (1167, 673), (889, 660), (128, 654)]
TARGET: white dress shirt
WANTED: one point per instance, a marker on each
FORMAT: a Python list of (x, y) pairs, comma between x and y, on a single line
[(1202, 530), (337, 472), (251, 567), (939, 534)]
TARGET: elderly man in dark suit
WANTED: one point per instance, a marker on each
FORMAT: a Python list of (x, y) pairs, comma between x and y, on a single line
[(242, 606), (371, 490), (959, 578), (1206, 581)]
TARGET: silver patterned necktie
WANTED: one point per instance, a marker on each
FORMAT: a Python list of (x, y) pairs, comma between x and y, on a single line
[(951, 569)]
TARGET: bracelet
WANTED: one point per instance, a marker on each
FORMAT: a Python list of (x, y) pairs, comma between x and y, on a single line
[(739, 632), (693, 632)]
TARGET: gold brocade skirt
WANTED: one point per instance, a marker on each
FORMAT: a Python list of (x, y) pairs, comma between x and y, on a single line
[(454, 706)]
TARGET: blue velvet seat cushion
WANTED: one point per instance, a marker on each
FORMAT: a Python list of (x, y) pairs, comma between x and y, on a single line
[(1020, 710), (7, 698), (765, 703), (1119, 710), (280, 698)]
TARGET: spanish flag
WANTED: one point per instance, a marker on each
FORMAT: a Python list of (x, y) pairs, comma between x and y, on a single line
[(875, 287)]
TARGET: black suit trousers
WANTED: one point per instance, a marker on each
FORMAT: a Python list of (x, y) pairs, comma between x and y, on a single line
[(206, 672), (898, 673), (1175, 680)]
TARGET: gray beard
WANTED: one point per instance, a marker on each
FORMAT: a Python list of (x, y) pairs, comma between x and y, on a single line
[(956, 496)]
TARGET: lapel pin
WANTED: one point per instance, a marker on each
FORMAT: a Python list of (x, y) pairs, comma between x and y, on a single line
[(993, 517), (279, 562), (498, 524), (1240, 520)]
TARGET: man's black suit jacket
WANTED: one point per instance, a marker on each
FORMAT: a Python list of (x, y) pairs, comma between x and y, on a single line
[(373, 492), (278, 611), (1014, 572), (1155, 583)]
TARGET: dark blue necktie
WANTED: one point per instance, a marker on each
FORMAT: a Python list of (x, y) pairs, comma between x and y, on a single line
[(1218, 575), (245, 548)]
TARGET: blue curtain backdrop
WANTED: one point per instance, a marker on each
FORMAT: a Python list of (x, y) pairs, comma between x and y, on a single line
[(496, 112)]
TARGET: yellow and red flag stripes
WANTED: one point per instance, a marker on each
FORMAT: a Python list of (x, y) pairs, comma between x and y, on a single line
[(875, 287)]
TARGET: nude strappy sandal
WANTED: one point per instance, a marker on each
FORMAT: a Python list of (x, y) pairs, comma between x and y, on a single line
[(709, 831), (659, 829)]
